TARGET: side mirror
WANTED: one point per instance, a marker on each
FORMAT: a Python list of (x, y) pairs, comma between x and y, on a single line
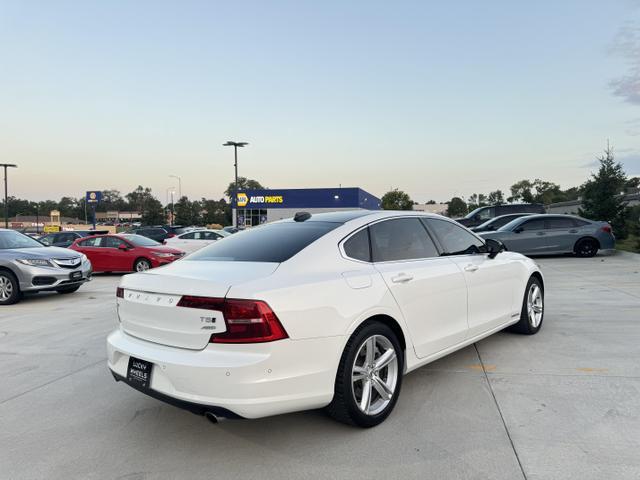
[(494, 247), (491, 227), (517, 230), (123, 246)]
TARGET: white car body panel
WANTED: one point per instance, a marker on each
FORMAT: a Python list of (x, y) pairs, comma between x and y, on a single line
[(189, 245), (320, 298)]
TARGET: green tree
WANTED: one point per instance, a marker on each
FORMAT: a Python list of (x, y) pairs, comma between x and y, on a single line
[(602, 197), (397, 200), (495, 198), (521, 191), (457, 207), (244, 183), (477, 200), (138, 198), (187, 212), (152, 212), (215, 211)]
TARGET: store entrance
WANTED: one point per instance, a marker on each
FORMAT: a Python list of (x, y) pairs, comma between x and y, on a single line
[(255, 217)]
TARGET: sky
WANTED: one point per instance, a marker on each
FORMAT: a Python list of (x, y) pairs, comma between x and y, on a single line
[(434, 98)]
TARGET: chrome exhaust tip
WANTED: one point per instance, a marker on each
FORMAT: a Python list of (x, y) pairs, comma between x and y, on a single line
[(212, 417)]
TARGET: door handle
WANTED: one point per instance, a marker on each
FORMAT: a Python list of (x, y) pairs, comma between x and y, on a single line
[(540, 234), (471, 268), (573, 231), (402, 278)]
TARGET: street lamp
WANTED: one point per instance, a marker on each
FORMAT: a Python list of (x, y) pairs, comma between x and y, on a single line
[(170, 191), (179, 184), (235, 146), (6, 201)]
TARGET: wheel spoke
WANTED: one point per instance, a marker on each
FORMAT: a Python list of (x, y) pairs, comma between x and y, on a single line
[(385, 359), (382, 388), (358, 374), (370, 347), (365, 402)]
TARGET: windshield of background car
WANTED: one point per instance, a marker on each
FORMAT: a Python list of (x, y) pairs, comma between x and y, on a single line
[(140, 241), (275, 242), (511, 225), (10, 240)]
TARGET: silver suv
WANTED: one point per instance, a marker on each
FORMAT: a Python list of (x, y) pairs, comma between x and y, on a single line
[(27, 265)]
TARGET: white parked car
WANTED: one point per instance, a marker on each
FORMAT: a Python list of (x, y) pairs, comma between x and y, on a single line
[(194, 240), (328, 310)]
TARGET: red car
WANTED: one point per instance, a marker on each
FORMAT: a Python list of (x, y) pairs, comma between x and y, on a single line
[(125, 253)]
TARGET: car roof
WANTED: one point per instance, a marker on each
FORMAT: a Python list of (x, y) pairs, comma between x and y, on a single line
[(348, 215)]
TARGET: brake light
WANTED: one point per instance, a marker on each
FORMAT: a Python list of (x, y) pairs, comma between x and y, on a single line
[(606, 229), (247, 321), (120, 292), (171, 235)]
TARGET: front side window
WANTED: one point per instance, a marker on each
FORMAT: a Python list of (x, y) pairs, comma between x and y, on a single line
[(110, 242), (455, 240), (188, 236), (532, 225), (273, 242), (357, 247), (400, 239), (484, 214), (47, 239)]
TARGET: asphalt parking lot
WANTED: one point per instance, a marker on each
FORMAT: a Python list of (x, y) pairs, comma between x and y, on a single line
[(562, 404)]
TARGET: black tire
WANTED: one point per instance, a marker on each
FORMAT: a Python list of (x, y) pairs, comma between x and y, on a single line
[(11, 288), (138, 265), (64, 290), (528, 325), (586, 248), (344, 406)]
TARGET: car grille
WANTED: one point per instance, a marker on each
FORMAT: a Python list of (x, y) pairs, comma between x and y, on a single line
[(67, 262)]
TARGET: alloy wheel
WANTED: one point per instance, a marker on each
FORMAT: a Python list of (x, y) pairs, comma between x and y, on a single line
[(6, 288), (374, 375), (142, 266), (535, 307)]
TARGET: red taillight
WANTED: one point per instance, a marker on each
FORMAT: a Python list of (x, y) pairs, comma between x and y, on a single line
[(120, 292), (247, 321), (606, 228), (171, 235)]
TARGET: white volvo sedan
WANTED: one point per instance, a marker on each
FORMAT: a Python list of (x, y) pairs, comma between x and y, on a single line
[(320, 311)]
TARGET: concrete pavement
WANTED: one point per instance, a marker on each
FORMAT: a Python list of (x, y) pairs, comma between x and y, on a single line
[(562, 404)]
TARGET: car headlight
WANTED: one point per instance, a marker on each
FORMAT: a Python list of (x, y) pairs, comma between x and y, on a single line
[(36, 262), (163, 254), (83, 257)]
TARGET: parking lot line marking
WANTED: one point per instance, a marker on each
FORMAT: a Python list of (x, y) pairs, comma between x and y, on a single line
[(495, 400)]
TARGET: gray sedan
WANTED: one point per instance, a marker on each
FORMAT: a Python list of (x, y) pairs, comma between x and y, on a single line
[(554, 234), (27, 265)]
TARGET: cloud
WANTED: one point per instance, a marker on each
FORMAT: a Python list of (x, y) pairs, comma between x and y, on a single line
[(627, 46)]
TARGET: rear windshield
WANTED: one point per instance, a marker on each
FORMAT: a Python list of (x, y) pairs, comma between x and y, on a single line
[(274, 242)]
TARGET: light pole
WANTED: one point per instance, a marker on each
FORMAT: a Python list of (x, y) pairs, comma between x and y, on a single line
[(170, 191), (6, 201), (179, 185), (235, 146)]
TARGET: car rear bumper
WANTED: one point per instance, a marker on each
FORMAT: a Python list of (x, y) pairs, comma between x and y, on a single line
[(250, 380)]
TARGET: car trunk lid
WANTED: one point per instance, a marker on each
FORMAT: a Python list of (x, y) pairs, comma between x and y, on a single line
[(148, 308)]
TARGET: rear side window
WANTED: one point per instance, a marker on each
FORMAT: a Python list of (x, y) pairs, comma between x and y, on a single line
[(579, 223), (275, 242), (559, 222), (90, 242), (455, 240), (357, 247), (400, 239)]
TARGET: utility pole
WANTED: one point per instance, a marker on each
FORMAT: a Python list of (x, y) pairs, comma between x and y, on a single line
[(234, 199), (6, 196)]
